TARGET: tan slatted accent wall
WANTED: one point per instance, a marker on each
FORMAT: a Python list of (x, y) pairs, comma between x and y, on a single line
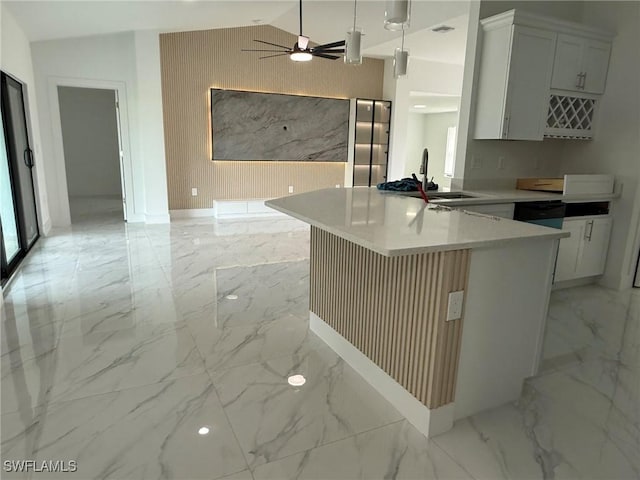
[(393, 309), (194, 62)]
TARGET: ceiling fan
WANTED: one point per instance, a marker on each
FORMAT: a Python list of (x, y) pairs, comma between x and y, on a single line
[(301, 52)]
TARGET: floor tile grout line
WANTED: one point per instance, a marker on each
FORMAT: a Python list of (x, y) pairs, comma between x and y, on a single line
[(322, 445), (233, 430), (450, 455)]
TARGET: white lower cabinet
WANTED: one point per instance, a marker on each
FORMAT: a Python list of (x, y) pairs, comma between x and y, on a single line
[(584, 253)]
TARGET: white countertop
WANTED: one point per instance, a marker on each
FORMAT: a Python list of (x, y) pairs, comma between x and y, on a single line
[(485, 197), (394, 225)]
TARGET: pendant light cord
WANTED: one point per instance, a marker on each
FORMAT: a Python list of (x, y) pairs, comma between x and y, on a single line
[(300, 17), (402, 48)]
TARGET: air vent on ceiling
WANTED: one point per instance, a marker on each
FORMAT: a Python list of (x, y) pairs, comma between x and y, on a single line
[(442, 29)]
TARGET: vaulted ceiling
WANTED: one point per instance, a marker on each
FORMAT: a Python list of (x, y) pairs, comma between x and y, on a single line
[(323, 20)]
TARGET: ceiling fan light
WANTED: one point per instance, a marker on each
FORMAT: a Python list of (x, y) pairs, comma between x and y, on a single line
[(299, 56), (352, 51), (397, 14), (400, 62)]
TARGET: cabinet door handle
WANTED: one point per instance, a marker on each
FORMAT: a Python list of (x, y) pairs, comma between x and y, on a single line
[(582, 78), (578, 79), (589, 229)]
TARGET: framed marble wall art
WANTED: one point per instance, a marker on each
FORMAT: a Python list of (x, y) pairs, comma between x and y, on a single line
[(276, 127)]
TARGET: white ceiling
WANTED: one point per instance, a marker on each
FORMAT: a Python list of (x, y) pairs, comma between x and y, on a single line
[(426, 44), (324, 20)]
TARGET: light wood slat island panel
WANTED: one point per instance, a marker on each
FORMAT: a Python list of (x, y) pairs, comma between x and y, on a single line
[(393, 309), (382, 270)]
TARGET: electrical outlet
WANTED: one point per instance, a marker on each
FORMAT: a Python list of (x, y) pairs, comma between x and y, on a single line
[(454, 308), (194, 192), (536, 163), (290, 188), (337, 185), (476, 162), (500, 163)]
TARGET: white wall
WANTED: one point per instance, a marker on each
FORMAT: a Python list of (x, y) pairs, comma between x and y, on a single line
[(90, 137), (429, 131), (116, 59), (15, 59), (415, 143), (616, 147), (435, 139), (422, 76), (151, 127)]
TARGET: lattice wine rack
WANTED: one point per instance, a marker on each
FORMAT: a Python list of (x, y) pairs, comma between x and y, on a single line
[(570, 117)]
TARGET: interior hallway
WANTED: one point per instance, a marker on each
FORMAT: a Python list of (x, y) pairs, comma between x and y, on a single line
[(120, 342)]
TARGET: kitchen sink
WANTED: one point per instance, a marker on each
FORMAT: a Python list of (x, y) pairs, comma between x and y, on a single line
[(442, 195), (448, 195)]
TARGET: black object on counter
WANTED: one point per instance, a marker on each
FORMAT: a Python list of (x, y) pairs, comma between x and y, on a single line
[(404, 185)]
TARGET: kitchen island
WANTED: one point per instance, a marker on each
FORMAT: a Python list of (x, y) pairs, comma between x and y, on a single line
[(442, 311)]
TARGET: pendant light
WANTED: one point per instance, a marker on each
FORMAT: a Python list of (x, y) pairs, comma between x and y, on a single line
[(400, 60), (352, 52), (397, 14)]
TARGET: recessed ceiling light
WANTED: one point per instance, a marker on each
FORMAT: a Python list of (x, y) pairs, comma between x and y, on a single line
[(419, 106), (296, 380), (204, 430), (442, 29), (231, 297)]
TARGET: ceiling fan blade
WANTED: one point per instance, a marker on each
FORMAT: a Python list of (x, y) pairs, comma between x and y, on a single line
[(325, 46), (323, 55), (271, 56), (258, 50), (274, 44), (338, 50)]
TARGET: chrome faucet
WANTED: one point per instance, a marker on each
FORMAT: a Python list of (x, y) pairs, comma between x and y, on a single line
[(423, 169)]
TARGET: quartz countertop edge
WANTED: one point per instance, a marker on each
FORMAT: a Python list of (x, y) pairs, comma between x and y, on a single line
[(391, 233), (488, 197)]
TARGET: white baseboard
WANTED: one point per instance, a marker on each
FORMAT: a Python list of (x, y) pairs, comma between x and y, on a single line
[(578, 282), (192, 213), (428, 421), (136, 218), (242, 209)]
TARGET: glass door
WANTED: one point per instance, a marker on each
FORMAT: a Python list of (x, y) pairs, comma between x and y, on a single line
[(18, 215), (8, 221)]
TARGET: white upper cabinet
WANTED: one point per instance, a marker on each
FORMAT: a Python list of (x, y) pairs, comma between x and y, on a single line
[(538, 77), (513, 84), (580, 64)]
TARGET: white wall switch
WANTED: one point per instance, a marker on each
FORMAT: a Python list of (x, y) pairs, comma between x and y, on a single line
[(290, 188), (194, 192), (454, 308), (337, 185)]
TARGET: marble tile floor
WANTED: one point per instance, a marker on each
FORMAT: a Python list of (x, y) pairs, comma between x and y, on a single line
[(119, 343)]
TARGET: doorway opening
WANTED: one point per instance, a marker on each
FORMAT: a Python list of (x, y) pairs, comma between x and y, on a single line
[(93, 154)]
